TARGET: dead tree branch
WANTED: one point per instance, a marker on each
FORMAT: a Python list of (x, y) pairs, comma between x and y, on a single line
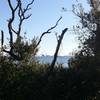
[(48, 31), (57, 49), (13, 10), (2, 38), (21, 13)]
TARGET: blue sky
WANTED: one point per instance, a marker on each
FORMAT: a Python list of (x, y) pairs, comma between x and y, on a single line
[(45, 13)]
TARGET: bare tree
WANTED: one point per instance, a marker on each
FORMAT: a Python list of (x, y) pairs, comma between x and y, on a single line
[(22, 14)]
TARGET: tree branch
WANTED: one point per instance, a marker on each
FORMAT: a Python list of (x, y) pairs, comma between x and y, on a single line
[(21, 14), (27, 7), (48, 31), (16, 57), (10, 5), (2, 38), (10, 24), (57, 49)]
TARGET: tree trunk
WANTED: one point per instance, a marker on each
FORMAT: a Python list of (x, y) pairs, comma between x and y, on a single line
[(97, 40)]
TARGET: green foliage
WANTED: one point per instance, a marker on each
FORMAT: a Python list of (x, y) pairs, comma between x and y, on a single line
[(30, 80), (89, 28), (22, 83), (25, 49), (79, 81), (87, 80), (85, 66)]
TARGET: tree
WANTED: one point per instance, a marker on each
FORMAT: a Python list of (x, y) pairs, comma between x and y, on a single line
[(90, 24), (86, 63), (21, 11), (17, 48), (22, 81)]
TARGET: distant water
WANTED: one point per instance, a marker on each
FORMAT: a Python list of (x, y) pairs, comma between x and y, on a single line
[(48, 59)]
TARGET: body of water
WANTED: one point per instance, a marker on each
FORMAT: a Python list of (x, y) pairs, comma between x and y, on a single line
[(48, 59)]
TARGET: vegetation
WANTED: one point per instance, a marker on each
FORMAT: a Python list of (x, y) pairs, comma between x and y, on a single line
[(87, 60), (24, 79)]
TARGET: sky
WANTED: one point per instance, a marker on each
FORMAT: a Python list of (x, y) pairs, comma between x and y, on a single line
[(45, 13)]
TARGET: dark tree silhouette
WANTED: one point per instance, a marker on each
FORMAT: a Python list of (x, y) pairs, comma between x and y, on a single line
[(91, 23), (57, 49), (22, 14)]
